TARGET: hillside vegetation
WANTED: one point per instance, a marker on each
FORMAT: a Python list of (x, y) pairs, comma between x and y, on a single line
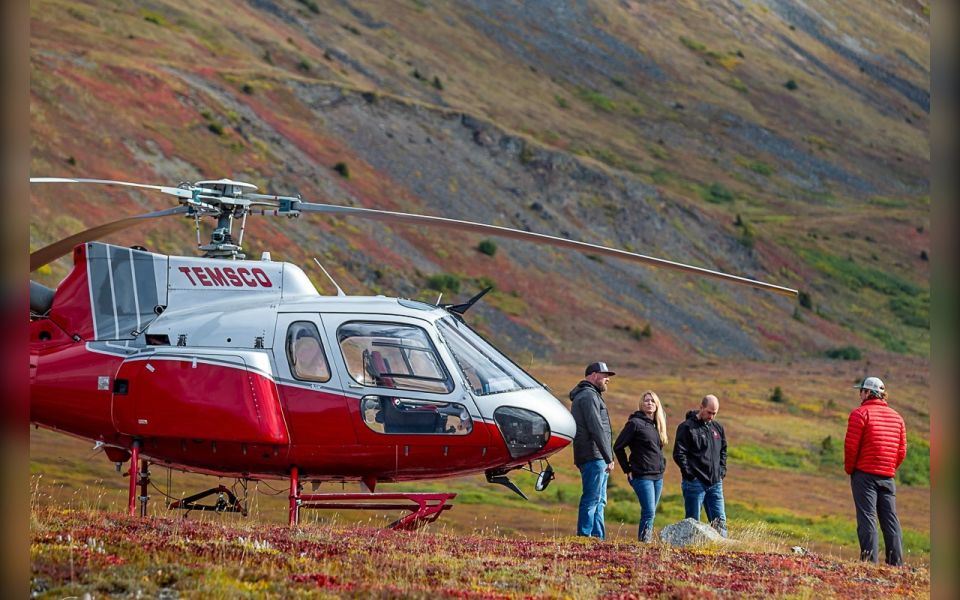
[(783, 141), (80, 552)]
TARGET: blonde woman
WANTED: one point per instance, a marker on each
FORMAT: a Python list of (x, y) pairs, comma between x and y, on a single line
[(645, 434)]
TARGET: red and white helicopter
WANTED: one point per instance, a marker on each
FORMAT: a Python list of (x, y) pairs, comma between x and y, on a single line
[(240, 368)]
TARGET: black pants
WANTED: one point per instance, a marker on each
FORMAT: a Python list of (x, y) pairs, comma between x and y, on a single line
[(876, 496)]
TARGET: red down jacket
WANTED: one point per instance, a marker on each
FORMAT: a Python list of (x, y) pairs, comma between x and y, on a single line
[(876, 439)]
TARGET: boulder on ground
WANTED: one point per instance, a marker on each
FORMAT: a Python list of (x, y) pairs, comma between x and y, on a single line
[(690, 532)]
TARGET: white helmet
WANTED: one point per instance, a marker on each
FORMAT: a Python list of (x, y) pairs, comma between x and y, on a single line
[(871, 383)]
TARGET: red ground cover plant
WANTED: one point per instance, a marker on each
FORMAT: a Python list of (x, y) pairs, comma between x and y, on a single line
[(75, 551)]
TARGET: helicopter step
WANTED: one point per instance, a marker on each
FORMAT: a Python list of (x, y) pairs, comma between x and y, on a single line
[(424, 507)]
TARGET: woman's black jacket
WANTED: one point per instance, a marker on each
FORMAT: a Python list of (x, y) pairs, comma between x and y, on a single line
[(646, 456)]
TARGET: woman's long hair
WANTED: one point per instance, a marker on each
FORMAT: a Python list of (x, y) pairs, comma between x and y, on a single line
[(658, 416)]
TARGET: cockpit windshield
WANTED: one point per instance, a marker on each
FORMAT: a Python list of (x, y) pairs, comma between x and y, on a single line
[(486, 370)]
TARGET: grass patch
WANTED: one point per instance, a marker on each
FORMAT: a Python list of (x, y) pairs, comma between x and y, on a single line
[(596, 100), (153, 17), (508, 302), (692, 44), (716, 193), (761, 168), (793, 459), (913, 311), (854, 276), (915, 469), (825, 529), (889, 340)]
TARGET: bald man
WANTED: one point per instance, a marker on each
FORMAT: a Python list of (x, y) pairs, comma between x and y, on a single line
[(700, 450)]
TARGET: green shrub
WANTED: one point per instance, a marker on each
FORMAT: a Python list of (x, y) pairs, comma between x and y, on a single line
[(596, 100), (155, 18), (216, 128), (304, 65), (437, 83), (312, 5), (805, 300), (777, 395), (831, 454), (844, 353), (343, 169), (247, 89), (747, 238), (691, 44), (791, 85), (717, 194), (760, 168), (444, 282), (488, 247)]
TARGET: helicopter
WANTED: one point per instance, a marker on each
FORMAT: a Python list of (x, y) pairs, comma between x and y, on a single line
[(223, 365)]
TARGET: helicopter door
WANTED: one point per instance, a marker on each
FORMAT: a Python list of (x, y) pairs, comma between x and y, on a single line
[(316, 409), (404, 399)]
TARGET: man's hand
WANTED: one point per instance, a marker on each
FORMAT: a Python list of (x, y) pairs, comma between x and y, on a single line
[(630, 476), (610, 467)]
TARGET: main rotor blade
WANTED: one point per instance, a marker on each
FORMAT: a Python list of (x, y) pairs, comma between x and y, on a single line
[(422, 220), (55, 250), (173, 191)]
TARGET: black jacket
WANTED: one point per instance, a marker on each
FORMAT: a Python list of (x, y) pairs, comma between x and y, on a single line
[(646, 455), (593, 425), (700, 450)]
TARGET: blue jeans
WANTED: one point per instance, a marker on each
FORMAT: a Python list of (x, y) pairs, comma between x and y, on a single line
[(590, 518), (710, 497), (648, 492)]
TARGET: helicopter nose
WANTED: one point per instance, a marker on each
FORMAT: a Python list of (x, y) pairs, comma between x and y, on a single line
[(562, 425)]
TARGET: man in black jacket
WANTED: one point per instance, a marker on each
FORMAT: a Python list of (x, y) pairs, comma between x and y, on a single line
[(592, 447), (700, 450)]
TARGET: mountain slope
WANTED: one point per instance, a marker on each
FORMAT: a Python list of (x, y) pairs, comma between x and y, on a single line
[(783, 141)]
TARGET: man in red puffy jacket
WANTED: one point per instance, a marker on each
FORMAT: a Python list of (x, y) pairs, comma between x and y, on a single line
[(875, 445)]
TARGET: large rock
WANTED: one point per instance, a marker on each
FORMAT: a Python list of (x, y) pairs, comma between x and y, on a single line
[(690, 532)]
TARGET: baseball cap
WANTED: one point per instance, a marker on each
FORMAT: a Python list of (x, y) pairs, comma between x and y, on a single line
[(599, 367), (871, 383)]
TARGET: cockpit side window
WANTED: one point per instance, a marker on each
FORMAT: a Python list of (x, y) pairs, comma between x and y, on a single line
[(305, 352), (392, 355)]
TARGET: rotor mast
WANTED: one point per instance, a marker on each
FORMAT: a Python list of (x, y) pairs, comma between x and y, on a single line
[(227, 196)]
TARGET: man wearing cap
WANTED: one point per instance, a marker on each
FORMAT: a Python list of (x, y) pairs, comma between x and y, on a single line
[(592, 447), (874, 448)]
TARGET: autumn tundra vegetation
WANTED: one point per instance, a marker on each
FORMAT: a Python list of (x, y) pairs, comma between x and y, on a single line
[(785, 141)]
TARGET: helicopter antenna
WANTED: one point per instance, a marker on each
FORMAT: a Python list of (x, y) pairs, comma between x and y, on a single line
[(339, 291), (462, 308), (438, 298)]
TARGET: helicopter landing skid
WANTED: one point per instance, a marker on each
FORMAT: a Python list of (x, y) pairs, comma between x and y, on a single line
[(426, 507), (226, 502)]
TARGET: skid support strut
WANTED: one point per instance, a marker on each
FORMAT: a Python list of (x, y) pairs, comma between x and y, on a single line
[(294, 496), (144, 479), (133, 474), (423, 508)]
